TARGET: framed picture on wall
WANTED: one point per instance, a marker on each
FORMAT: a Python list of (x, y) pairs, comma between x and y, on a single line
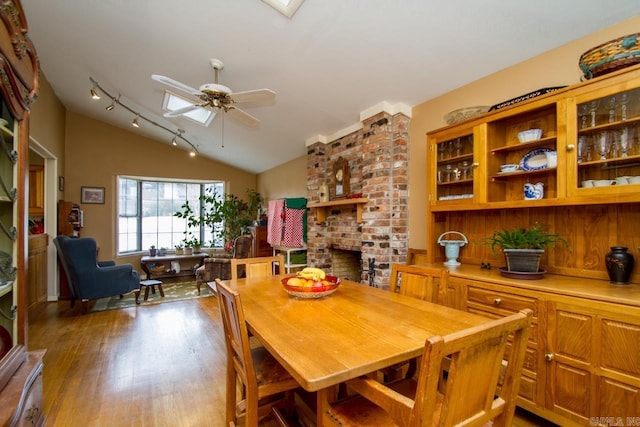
[(92, 195)]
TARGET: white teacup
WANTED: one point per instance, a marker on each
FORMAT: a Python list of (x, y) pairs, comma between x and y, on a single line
[(603, 182)]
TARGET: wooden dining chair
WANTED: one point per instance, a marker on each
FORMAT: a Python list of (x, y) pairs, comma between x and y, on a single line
[(474, 394), (416, 256), (257, 267), (425, 283), (262, 378)]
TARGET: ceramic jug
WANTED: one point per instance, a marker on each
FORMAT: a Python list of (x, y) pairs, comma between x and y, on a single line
[(533, 191)]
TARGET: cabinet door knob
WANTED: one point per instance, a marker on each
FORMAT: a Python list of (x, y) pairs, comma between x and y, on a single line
[(497, 301), (571, 147), (548, 357)]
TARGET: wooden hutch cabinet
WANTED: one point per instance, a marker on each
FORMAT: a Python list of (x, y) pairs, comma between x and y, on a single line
[(583, 357), (20, 370)]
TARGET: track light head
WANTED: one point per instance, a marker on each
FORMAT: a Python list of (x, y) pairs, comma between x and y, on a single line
[(135, 123), (110, 106), (174, 142), (94, 93)]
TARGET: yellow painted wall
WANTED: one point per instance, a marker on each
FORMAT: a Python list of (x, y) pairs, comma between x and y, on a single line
[(286, 180), (96, 153), (554, 68)]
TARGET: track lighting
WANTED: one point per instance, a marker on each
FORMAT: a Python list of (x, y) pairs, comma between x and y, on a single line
[(136, 121), (94, 94)]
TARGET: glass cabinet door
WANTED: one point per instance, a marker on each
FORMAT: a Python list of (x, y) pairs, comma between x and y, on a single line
[(606, 151), (8, 233), (453, 168)]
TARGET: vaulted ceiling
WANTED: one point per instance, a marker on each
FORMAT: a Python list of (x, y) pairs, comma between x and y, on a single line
[(329, 62)]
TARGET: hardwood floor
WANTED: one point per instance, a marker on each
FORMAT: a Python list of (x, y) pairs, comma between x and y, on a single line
[(158, 365)]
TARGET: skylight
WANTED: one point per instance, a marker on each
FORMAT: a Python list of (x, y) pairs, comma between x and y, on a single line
[(172, 102), (286, 7)]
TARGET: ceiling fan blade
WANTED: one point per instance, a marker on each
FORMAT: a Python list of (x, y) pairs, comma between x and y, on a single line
[(175, 84), (254, 98), (243, 117), (181, 111)]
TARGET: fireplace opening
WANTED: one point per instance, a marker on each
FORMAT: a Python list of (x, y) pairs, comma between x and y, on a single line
[(346, 264)]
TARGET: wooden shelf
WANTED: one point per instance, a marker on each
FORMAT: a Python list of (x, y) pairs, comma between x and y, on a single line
[(321, 208)]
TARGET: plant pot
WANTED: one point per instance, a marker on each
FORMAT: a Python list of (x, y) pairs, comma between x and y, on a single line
[(188, 251), (523, 260), (179, 251), (153, 252)]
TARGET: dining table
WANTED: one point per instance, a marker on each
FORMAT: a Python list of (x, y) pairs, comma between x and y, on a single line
[(357, 330)]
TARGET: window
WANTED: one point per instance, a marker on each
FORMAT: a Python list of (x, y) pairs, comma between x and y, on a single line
[(146, 211)]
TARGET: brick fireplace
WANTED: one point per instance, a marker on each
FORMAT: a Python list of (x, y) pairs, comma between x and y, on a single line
[(378, 156)]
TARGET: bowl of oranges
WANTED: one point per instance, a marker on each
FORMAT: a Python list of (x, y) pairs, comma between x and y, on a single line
[(310, 283)]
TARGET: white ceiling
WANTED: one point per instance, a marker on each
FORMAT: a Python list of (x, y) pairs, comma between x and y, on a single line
[(331, 61)]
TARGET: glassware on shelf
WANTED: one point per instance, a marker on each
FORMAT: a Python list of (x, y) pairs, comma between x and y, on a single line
[(465, 170), (447, 174), (583, 146), (611, 104), (624, 106), (593, 112), (583, 114), (602, 144), (622, 142), (458, 144), (441, 148), (450, 148)]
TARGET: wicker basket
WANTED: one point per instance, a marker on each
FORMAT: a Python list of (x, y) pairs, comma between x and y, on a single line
[(611, 56)]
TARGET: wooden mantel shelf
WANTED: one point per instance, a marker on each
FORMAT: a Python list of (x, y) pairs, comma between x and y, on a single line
[(321, 208)]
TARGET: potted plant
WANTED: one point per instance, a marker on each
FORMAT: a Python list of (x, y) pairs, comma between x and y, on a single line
[(523, 247), (152, 250), (179, 249), (228, 209)]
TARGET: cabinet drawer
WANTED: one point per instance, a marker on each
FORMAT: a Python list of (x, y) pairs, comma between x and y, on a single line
[(500, 302)]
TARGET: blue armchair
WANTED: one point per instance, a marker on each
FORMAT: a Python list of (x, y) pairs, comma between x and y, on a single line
[(89, 278)]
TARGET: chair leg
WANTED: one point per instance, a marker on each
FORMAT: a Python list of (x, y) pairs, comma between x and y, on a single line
[(85, 306), (137, 296)]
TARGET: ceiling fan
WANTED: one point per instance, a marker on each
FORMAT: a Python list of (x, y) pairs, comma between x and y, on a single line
[(216, 97)]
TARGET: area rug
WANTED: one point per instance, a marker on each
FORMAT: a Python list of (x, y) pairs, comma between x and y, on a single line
[(172, 292)]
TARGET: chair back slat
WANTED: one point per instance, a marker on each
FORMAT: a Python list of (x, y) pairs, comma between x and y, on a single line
[(258, 266), (416, 256), (425, 283)]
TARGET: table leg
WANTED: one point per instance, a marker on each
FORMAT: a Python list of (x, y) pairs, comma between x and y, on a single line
[(137, 296), (323, 397), (146, 293), (161, 290)]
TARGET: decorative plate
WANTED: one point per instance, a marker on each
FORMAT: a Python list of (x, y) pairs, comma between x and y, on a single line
[(535, 160), (522, 274), (318, 290)]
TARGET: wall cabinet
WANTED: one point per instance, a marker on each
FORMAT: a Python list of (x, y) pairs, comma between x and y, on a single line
[(36, 190), (593, 128), (583, 354), (37, 272), (587, 162)]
